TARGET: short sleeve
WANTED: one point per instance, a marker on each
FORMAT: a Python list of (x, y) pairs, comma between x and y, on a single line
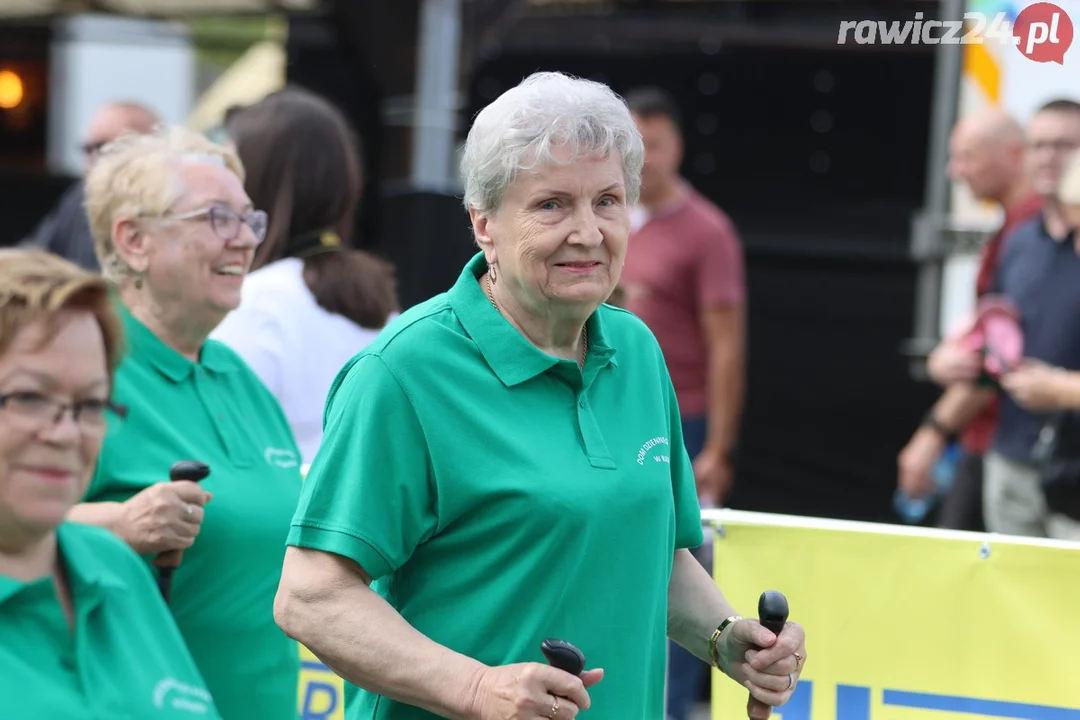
[(257, 337), (688, 532), (720, 272), (369, 495)]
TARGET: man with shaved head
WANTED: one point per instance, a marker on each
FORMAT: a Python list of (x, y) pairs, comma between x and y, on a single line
[(65, 231), (987, 154)]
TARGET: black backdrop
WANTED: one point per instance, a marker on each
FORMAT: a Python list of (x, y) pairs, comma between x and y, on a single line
[(819, 157)]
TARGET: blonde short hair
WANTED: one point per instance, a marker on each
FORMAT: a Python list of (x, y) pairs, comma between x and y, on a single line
[(1069, 190), (36, 286), (137, 175)]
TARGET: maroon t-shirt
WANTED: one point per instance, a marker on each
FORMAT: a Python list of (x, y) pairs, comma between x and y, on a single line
[(979, 432), (682, 260)]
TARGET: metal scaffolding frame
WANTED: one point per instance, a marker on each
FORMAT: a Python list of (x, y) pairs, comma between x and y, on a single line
[(933, 235), (436, 101)]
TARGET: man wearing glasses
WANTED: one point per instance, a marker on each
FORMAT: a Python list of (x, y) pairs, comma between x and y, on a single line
[(1039, 272), (176, 233), (65, 231)]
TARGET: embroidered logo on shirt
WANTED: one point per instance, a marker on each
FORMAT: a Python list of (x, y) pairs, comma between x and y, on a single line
[(174, 694), (279, 457), (659, 455)]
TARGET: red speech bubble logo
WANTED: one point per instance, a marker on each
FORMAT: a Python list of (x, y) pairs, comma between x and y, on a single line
[(1043, 32)]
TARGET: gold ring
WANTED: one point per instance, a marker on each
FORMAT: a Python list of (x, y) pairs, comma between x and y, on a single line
[(554, 707), (798, 660)]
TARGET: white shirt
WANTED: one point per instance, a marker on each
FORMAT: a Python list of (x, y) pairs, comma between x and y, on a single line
[(293, 345)]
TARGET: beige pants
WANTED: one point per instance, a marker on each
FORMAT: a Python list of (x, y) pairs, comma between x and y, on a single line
[(1014, 504)]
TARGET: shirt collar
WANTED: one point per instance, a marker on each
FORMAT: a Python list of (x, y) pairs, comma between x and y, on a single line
[(142, 342), (87, 575), (1025, 208), (509, 354)]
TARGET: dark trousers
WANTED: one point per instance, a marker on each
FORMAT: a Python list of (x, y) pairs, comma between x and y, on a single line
[(962, 506), (687, 674)]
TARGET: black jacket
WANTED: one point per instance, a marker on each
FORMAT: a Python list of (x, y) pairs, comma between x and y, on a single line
[(66, 231)]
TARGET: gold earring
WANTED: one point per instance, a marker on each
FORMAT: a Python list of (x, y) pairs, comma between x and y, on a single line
[(491, 273)]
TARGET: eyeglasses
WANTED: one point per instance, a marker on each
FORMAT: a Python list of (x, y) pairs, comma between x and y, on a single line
[(225, 222), (1054, 145), (35, 411), (91, 149)]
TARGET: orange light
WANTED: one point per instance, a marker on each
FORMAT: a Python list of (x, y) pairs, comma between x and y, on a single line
[(11, 89)]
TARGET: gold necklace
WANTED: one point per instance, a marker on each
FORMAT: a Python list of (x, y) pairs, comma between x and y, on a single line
[(584, 329)]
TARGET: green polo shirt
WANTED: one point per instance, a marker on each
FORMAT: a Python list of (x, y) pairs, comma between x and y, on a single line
[(216, 411), (500, 496), (123, 659)]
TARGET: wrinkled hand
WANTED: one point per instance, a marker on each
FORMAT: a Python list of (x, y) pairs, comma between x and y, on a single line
[(763, 663), (713, 477), (1035, 386), (916, 460), (528, 691), (164, 516), (952, 361)]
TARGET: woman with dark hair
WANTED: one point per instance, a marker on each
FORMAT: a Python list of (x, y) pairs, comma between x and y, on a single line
[(312, 302)]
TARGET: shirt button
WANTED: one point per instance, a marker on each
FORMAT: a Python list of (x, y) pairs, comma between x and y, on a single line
[(582, 403)]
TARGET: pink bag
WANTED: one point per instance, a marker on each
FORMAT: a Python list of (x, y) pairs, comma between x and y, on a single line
[(996, 333)]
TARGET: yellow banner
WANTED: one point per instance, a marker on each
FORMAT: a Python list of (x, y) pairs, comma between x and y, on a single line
[(907, 623), (320, 690)]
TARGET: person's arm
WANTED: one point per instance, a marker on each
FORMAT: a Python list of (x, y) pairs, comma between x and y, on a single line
[(721, 299), (344, 534), (364, 509), (1070, 391), (696, 606), (1038, 387), (725, 341), (746, 651), (162, 516), (959, 405), (321, 601), (107, 515), (153, 520)]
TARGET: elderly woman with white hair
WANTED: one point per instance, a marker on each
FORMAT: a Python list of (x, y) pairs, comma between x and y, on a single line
[(175, 231), (505, 463)]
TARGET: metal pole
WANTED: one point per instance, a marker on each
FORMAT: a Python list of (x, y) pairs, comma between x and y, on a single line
[(435, 100), (927, 240)]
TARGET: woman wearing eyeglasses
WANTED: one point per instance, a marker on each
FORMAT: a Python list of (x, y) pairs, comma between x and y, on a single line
[(176, 233), (83, 631)]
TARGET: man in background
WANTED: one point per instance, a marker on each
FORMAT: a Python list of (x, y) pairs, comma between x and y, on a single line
[(65, 231), (1039, 272), (684, 278), (986, 153)]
